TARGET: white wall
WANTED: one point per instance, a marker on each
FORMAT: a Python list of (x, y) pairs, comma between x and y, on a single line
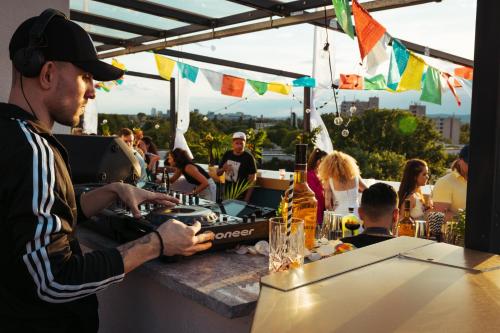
[(13, 13)]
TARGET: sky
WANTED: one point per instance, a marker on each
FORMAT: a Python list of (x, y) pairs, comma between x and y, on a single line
[(447, 26)]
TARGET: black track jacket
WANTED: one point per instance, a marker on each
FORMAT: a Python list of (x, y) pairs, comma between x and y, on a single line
[(46, 283)]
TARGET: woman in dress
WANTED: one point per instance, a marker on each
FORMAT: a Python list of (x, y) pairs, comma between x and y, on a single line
[(340, 175), (415, 175), (314, 182), (194, 174)]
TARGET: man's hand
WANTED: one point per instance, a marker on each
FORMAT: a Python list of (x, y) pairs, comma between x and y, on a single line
[(227, 167), (132, 197), (95, 201), (179, 238)]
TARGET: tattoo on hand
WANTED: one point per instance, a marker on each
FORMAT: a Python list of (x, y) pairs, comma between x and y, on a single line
[(125, 248)]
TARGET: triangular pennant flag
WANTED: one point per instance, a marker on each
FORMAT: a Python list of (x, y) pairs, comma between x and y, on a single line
[(393, 77), (305, 81), (214, 78), (375, 83), (188, 72), (165, 66), (368, 30), (118, 64), (431, 92), (401, 54), (351, 81), (465, 72), (259, 87), (377, 56), (343, 14), (279, 88), (449, 81), (412, 76), (232, 85)]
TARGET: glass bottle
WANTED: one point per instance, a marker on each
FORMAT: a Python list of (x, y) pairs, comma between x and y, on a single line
[(351, 222), (406, 225), (304, 203)]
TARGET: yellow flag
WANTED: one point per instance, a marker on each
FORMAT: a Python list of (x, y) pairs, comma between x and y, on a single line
[(412, 76), (165, 66), (279, 88)]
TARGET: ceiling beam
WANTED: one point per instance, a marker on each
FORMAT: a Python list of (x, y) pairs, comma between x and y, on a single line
[(162, 11), (110, 23), (229, 63), (311, 17)]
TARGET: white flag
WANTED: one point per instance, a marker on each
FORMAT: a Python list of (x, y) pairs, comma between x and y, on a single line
[(214, 78), (90, 117), (183, 95)]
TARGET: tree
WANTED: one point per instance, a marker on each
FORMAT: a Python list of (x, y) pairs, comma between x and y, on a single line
[(464, 133), (376, 133)]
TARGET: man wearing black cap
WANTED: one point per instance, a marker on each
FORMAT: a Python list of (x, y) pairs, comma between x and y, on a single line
[(47, 284), (450, 191)]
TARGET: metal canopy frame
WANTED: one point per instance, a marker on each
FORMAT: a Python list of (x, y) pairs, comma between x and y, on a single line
[(204, 27)]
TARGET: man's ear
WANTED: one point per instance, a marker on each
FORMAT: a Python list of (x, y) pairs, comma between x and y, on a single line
[(47, 75), (395, 215)]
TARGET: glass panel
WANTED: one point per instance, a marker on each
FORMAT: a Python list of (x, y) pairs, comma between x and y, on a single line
[(106, 31), (124, 14), (211, 8)]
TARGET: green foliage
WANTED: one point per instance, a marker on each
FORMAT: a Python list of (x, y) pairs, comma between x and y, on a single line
[(464, 133), (237, 189), (377, 133), (255, 142)]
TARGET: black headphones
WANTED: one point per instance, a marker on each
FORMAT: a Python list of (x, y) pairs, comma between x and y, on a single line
[(30, 60)]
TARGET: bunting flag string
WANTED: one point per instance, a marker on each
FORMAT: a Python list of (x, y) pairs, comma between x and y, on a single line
[(368, 31), (431, 92), (106, 86), (343, 14)]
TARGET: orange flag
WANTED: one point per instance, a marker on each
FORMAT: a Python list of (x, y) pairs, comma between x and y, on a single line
[(449, 80), (351, 81), (465, 72), (232, 86), (368, 30)]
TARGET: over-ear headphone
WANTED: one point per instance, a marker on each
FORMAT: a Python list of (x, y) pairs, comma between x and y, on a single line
[(30, 60)]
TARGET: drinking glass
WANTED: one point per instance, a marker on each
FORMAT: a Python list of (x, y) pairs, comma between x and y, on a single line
[(331, 228), (282, 173), (421, 229), (286, 244)]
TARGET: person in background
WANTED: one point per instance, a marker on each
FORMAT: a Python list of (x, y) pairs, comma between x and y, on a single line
[(127, 136), (340, 175), (48, 283), (151, 156), (239, 165), (379, 211), (313, 181), (415, 175), (138, 135), (194, 174), (450, 191)]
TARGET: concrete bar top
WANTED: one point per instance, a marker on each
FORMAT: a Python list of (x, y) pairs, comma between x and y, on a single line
[(227, 283)]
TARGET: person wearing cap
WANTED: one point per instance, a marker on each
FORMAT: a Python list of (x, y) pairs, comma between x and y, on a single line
[(239, 165), (47, 283), (450, 191)]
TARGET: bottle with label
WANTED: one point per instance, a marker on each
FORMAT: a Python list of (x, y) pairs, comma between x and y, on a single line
[(350, 222), (406, 225), (304, 203)]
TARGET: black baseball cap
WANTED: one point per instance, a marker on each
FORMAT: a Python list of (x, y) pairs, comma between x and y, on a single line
[(64, 40)]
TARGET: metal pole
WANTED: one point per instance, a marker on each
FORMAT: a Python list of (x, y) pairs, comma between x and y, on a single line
[(482, 231), (173, 113), (307, 109)]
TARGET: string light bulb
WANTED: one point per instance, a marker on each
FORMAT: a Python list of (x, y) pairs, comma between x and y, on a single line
[(338, 120), (353, 109), (345, 133), (157, 126)]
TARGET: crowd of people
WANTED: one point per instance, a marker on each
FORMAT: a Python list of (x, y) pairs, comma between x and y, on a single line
[(336, 181)]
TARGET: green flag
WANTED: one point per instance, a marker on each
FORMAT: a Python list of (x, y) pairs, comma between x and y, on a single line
[(343, 13), (431, 92), (375, 83), (259, 87)]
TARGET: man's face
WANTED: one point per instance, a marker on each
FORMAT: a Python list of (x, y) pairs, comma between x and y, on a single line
[(238, 146), (128, 139), (73, 87)]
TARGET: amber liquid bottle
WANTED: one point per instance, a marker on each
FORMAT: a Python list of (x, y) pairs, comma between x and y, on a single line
[(304, 201), (406, 226)]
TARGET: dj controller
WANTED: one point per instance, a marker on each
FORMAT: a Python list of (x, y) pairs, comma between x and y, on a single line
[(232, 221)]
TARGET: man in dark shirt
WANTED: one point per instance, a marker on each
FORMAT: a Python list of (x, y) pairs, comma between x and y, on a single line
[(239, 165), (378, 210), (47, 283)]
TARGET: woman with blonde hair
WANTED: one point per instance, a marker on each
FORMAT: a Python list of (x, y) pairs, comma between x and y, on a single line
[(342, 182)]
